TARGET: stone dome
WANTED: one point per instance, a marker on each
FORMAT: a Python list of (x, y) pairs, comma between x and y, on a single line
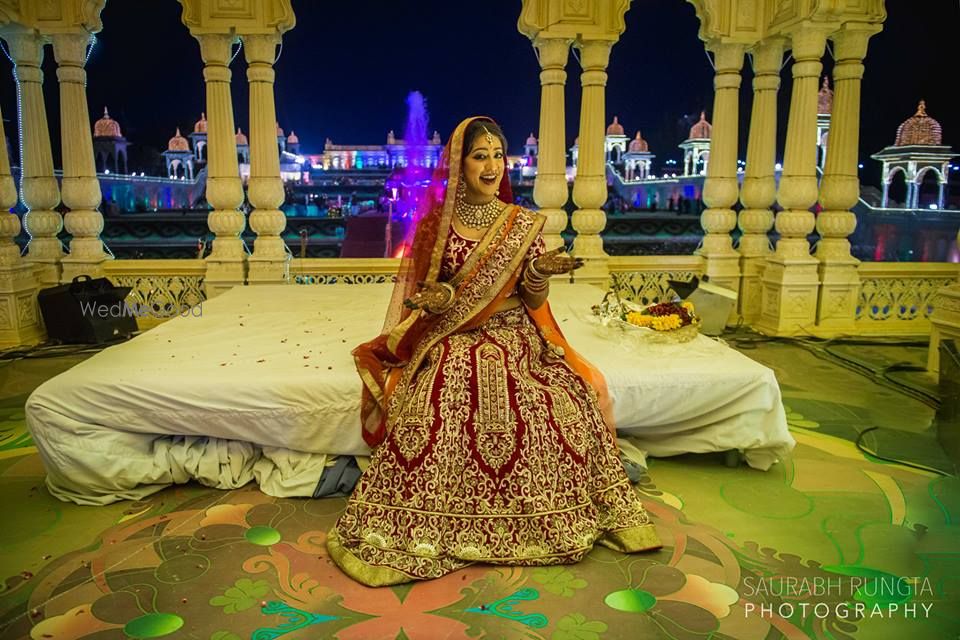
[(241, 138), (106, 127), (280, 133), (615, 128), (292, 138), (825, 97), (638, 144), (531, 139), (201, 125), (701, 130), (919, 129), (178, 143)]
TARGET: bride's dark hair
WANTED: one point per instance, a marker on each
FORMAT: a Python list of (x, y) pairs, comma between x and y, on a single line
[(477, 127)]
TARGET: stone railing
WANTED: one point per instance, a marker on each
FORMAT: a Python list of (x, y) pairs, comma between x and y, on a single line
[(159, 289), (897, 298), (343, 270), (166, 288), (645, 279)]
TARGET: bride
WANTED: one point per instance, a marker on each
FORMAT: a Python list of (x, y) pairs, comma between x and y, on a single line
[(491, 443)]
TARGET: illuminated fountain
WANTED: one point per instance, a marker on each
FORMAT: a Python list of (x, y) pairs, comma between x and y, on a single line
[(407, 184)]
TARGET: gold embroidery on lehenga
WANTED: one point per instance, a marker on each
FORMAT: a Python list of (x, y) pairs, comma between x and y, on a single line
[(493, 412), (494, 420), (415, 422), (564, 488), (565, 413), (502, 262)]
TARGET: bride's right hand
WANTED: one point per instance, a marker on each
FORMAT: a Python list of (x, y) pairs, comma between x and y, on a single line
[(556, 262)]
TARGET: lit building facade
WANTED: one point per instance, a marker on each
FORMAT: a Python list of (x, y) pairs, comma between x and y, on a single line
[(395, 153)]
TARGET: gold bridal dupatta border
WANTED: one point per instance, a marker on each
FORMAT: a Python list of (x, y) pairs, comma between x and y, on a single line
[(388, 363), (382, 361)]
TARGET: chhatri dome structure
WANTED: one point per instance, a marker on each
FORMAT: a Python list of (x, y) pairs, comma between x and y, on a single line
[(917, 150), (696, 148), (638, 159), (109, 145)]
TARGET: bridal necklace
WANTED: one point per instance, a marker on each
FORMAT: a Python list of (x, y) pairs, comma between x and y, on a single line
[(479, 216)]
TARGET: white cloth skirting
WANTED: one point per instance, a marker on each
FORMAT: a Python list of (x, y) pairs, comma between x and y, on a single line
[(260, 385)]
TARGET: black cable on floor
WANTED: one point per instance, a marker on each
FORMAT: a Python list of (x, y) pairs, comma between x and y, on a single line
[(821, 347), (912, 465)]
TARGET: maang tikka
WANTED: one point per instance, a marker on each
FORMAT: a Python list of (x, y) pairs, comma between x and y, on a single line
[(488, 137)]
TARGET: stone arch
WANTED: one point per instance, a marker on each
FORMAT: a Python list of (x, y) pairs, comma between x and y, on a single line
[(897, 188), (926, 191)]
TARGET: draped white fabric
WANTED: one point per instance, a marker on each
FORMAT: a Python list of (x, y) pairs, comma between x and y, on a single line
[(260, 385)]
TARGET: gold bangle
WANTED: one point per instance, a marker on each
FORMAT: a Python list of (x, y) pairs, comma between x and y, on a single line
[(534, 290), (451, 293), (533, 271), (532, 284)]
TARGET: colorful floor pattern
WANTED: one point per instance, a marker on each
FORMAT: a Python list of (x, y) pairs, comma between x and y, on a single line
[(747, 554)]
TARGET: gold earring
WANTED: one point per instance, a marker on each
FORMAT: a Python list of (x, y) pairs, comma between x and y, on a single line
[(461, 192)]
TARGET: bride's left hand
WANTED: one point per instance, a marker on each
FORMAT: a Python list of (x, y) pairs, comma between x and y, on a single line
[(433, 297), (556, 262)]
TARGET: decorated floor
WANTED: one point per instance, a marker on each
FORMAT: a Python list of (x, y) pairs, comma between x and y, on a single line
[(833, 543)]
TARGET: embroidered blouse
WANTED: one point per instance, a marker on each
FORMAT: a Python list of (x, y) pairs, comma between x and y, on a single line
[(458, 249)]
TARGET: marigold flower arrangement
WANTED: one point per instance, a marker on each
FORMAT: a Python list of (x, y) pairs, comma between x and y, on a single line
[(665, 316), (665, 321)]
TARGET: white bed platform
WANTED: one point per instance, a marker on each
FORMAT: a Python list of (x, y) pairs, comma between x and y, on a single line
[(261, 386)]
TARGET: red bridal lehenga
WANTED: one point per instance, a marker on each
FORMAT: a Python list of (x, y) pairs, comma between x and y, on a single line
[(490, 444)]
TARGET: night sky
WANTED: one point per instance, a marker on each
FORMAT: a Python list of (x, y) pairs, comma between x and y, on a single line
[(346, 68)]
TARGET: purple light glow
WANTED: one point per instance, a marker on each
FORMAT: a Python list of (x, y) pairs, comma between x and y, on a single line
[(407, 183)]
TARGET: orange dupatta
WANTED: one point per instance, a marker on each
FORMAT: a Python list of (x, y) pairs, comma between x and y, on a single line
[(385, 361)]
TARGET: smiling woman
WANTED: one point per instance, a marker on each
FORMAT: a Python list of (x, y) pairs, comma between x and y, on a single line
[(492, 444)]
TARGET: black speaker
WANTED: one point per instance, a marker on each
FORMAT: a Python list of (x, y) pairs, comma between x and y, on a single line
[(87, 311)]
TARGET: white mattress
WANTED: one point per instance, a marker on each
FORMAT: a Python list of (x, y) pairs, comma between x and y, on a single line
[(261, 386)]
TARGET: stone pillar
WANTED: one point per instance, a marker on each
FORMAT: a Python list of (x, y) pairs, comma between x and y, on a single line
[(759, 186), (790, 280), (39, 190), (720, 190), (550, 190), (19, 315), (840, 185), (226, 264), (80, 187), (270, 261), (590, 185)]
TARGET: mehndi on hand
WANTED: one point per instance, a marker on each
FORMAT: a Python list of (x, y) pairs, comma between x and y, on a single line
[(434, 297), (555, 262)]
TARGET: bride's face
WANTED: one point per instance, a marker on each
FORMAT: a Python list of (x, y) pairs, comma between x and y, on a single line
[(482, 169)]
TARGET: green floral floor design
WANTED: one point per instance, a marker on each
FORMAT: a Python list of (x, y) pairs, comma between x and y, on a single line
[(746, 554)]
